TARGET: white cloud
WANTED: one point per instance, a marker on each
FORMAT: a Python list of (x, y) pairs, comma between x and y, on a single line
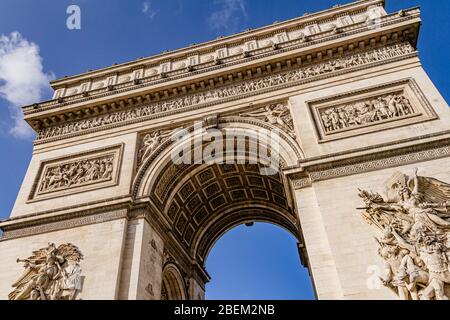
[(22, 79), (229, 15), (148, 10)]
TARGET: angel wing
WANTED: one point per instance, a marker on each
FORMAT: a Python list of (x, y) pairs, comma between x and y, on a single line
[(285, 115), (433, 190), (70, 252), (165, 133), (21, 283), (38, 255)]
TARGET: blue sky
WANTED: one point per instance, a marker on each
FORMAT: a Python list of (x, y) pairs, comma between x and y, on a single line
[(115, 31)]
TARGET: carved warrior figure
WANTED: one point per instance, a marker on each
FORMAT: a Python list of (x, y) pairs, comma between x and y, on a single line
[(51, 273), (364, 112), (414, 220), (77, 173), (303, 73), (277, 115)]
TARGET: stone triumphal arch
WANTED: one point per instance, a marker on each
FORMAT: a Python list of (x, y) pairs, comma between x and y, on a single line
[(354, 165)]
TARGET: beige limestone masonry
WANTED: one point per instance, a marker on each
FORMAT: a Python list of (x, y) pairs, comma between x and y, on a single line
[(346, 246), (130, 236), (102, 248)]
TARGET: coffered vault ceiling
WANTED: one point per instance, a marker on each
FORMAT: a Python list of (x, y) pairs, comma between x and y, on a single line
[(191, 197)]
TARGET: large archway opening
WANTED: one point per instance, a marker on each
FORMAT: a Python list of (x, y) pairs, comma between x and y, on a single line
[(199, 203), (257, 261)]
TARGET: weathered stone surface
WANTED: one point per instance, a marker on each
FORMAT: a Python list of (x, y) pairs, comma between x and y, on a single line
[(349, 103)]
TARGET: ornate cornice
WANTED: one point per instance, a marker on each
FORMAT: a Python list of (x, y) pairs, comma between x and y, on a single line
[(351, 10), (276, 81), (39, 118)]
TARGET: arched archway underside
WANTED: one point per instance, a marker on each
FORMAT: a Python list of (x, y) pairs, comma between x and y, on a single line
[(202, 202), (172, 287)]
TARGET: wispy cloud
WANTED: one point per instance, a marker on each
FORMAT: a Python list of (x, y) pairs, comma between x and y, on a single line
[(22, 79), (147, 9), (228, 16)]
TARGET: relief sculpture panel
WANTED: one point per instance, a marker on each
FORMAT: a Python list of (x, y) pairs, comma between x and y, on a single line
[(51, 273), (365, 112), (413, 222), (62, 176), (368, 110)]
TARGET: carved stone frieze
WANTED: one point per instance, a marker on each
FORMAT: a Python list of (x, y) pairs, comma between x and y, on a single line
[(365, 112), (370, 109), (77, 173), (208, 97), (413, 221), (98, 168), (51, 273), (300, 181)]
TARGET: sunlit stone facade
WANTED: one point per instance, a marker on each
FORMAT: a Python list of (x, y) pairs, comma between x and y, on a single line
[(351, 106)]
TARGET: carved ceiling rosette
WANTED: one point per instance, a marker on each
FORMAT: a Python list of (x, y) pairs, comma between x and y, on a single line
[(413, 221)]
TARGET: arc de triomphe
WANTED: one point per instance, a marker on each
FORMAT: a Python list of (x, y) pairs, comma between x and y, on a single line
[(105, 213)]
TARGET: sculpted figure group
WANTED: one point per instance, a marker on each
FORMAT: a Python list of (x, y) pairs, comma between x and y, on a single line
[(51, 273), (275, 114), (365, 112), (413, 220), (77, 173), (150, 142), (318, 69)]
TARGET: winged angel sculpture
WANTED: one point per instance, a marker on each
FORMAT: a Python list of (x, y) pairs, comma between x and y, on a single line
[(51, 273), (150, 142), (414, 223), (275, 114)]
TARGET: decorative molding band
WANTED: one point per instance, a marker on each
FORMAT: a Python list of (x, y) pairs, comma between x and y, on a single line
[(370, 109), (348, 63), (378, 161), (300, 181), (90, 170), (60, 223)]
